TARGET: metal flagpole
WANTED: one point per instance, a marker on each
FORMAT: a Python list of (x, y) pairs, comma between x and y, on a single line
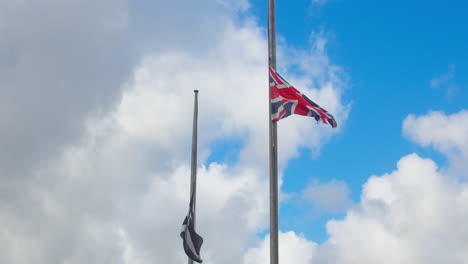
[(193, 174), (273, 142)]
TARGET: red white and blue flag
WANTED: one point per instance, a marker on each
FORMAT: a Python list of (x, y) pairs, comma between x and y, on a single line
[(287, 100)]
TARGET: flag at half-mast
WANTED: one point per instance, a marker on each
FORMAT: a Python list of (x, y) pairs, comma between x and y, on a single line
[(287, 100), (192, 241)]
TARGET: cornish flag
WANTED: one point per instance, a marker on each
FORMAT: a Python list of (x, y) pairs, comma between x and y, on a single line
[(191, 240), (287, 100)]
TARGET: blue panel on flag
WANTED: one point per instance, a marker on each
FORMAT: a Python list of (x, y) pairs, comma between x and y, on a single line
[(275, 107), (288, 108)]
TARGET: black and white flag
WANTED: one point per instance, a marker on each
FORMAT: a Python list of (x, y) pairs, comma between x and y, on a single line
[(191, 240)]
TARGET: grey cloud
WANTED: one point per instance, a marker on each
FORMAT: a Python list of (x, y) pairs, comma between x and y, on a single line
[(65, 60), (332, 196)]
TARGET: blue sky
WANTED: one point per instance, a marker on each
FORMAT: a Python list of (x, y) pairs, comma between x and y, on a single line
[(390, 51), (96, 102)]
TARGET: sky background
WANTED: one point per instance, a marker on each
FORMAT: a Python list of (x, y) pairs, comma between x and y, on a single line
[(96, 103)]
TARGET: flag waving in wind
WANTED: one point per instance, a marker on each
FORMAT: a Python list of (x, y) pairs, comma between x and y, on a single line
[(287, 100), (191, 240)]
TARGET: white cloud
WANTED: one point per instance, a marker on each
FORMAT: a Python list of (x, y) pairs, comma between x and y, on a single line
[(446, 82), (444, 78), (320, 80), (115, 188), (414, 214), (294, 248), (445, 133)]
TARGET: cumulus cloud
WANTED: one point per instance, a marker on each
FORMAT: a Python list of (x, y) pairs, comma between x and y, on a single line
[(61, 62), (445, 133), (96, 118), (98, 124), (414, 214)]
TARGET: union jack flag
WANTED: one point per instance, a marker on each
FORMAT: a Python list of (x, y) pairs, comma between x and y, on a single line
[(287, 100)]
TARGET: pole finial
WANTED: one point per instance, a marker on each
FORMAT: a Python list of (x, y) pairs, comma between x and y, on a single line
[(195, 91)]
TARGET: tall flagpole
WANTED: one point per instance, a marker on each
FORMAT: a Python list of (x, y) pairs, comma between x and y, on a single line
[(193, 174), (273, 141)]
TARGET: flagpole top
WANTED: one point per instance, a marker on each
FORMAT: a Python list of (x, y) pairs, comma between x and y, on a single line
[(195, 91)]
